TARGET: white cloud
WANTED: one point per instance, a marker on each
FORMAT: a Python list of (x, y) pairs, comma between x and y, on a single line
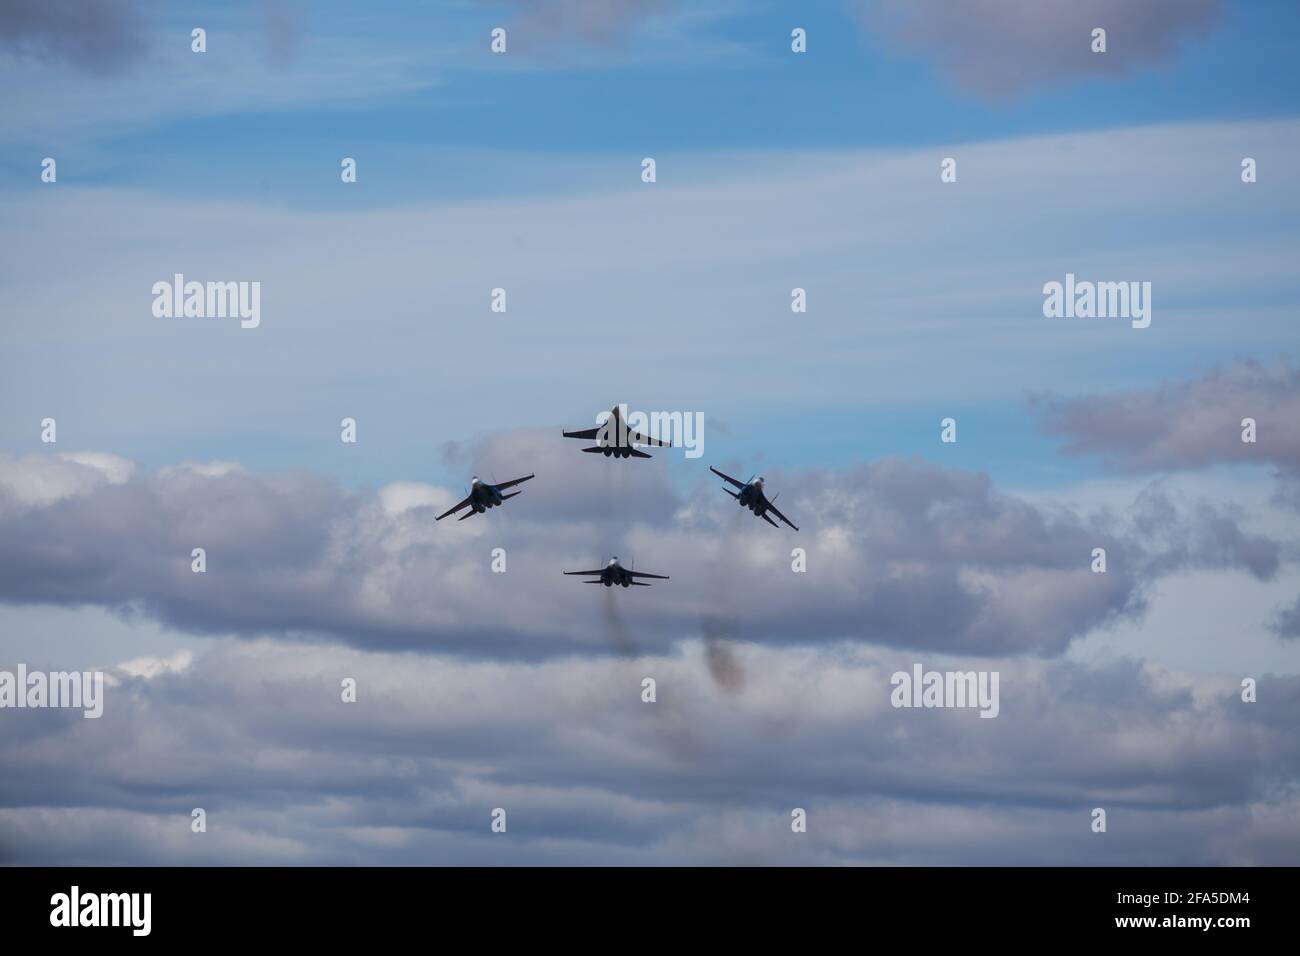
[(152, 667), (39, 481), (915, 556), (255, 732)]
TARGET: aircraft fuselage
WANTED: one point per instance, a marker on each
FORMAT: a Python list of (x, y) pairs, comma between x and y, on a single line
[(614, 574), (484, 496), (751, 496)]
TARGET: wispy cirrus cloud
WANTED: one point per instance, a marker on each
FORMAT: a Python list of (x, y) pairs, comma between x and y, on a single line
[(81, 73)]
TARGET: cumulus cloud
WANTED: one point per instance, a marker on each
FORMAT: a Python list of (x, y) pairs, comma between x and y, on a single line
[(998, 47), (38, 481), (1193, 424), (256, 734), (899, 553)]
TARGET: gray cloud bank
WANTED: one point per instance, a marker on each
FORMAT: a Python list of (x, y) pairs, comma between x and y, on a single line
[(899, 553), (255, 733), (772, 687)]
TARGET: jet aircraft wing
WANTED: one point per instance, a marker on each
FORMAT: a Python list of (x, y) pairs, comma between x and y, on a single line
[(452, 511), (772, 508), (738, 484), (517, 481), (636, 438)]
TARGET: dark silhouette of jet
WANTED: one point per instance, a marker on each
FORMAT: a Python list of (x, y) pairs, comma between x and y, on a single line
[(614, 573), (615, 438), (483, 496), (751, 496)]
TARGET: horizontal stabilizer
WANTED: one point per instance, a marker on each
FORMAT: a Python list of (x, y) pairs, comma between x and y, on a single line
[(770, 521), (468, 514)]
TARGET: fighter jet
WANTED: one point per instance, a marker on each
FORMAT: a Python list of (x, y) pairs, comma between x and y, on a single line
[(751, 496), (483, 496), (615, 438), (614, 573)]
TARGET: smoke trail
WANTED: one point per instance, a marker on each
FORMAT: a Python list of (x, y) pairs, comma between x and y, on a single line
[(615, 627), (724, 666), (720, 627)]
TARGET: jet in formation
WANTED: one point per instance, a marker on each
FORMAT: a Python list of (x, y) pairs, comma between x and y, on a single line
[(483, 496), (751, 496), (614, 573), (615, 438)]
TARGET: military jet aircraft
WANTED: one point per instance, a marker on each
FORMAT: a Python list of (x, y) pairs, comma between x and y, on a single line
[(483, 496), (614, 573), (615, 438), (751, 496)]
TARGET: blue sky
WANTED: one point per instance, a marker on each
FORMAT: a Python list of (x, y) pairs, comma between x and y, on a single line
[(718, 79), (776, 170), (714, 93)]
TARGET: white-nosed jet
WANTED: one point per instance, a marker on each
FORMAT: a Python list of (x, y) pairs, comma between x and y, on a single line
[(614, 573), (751, 496), (483, 496), (615, 438)]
